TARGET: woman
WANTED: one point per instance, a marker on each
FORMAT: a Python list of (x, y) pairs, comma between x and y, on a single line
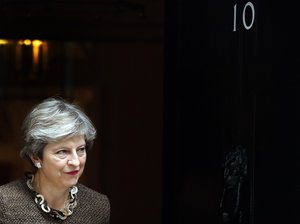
[(57, 136)]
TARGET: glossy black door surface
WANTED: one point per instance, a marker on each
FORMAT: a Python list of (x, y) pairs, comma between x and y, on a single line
[(232, 78)]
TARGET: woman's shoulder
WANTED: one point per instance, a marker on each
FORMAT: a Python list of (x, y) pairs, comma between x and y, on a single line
[(93, 204), (15, 190), (15, 195), (87, 192), (16, 185)]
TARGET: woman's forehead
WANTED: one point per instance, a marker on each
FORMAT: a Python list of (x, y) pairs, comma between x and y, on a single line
[(69, 142)]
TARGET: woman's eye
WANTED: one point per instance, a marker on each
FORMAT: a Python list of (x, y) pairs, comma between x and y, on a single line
[(81, 151), (61, 152)]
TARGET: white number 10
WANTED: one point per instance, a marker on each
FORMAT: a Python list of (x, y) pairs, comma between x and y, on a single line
[(246, 26)]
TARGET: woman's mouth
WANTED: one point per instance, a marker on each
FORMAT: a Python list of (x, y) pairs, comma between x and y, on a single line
[(72, 172)]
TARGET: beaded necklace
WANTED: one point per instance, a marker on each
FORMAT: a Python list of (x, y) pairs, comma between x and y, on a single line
[(42, 204)]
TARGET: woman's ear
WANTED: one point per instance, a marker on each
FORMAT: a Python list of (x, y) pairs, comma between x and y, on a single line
[(36, 161)]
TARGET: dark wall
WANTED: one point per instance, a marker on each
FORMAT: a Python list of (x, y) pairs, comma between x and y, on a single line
[(230, 85)]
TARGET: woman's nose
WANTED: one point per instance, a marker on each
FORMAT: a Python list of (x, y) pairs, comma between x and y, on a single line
[(74, 160)]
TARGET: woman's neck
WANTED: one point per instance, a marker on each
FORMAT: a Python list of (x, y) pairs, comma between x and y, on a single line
[(56, 198)]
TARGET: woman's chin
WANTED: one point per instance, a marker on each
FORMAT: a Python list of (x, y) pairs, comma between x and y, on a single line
[(71, 182)]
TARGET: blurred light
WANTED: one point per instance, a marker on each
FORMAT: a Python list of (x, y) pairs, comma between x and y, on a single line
[(25, 42), (45, 55), (39, 51), (3, 42), (37, 43)]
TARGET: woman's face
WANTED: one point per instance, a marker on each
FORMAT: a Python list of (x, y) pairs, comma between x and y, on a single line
[(63, 162)]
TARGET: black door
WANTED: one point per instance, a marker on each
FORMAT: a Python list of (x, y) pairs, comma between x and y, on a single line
[(232, 80)]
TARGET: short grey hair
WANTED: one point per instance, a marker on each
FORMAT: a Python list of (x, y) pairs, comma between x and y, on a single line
[(53, 120)]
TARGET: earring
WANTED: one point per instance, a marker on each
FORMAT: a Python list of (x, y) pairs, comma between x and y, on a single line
[(38, 165)]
